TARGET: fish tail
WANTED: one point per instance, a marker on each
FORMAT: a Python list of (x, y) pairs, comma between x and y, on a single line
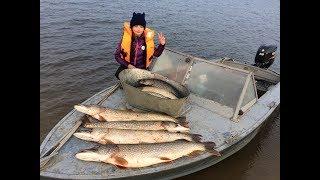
[(182, 120), (85, 121), (90, 118), (184, 124), (210, 148), (196, 137), (84, 135)]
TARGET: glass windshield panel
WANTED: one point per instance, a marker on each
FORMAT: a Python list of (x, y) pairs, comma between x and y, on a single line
[(220, 84), (250, 94), (172, 65)]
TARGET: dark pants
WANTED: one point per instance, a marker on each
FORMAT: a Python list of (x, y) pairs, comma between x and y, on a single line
[(119, 70)]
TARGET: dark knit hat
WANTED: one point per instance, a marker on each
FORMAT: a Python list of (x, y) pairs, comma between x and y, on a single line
[(138, 19)]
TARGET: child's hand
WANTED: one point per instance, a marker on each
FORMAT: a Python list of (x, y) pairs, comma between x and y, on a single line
[(161, 38)]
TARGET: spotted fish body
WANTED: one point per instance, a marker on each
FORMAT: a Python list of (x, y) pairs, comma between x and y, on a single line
[(158, 95), (128, 136), (160, 84), (156, 90), (140, 125), (143, 155), (107, 114)]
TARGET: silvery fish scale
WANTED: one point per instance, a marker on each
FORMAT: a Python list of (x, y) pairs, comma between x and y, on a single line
[(137, 98)]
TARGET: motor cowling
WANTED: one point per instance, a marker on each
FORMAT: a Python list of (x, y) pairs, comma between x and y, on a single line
[(265, 56)]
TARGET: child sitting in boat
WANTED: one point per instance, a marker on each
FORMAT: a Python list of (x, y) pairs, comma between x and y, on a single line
[(136, 48)]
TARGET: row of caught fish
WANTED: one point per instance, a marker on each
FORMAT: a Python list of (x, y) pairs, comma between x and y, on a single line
[(135, 129), (137, 139)]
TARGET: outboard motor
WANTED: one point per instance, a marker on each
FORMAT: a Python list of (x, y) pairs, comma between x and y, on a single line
[(265, 56)]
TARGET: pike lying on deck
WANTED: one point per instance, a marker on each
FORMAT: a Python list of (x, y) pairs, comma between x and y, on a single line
[(142, 155), (107, 114), (128, 136), (140, 125)]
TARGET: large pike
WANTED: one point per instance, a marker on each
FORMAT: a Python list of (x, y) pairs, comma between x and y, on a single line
[(142, 155), (133, 76), (160, 84), (107, 114), (183, 91), (129, 136), (140, 125), (157, 90)]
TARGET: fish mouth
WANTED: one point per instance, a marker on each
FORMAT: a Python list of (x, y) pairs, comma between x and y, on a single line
[(84, 135), (89, 154)]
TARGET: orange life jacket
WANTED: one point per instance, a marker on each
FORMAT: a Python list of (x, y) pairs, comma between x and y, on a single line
[(126, 43)]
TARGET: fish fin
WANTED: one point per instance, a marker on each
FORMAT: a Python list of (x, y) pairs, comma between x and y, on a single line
[(181, 140), (196, 137), (121, 167), (130, 110), (105, 141), (182, 120), (195, 153), (110, 142), (98, 117), (163, 124), (165, 158), (120, 161), (116, 165), (85, 120), (102, 141), (214, 152), (184, 124), (209, 147)]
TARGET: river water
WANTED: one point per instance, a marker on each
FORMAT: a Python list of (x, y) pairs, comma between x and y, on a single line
[(78, 39)]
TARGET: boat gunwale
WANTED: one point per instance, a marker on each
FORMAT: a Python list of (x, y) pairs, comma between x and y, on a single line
[(269, 72)]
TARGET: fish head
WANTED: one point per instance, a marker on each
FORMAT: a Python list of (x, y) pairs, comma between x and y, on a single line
[(174, 127), (88, 109), (85, 135), (98, 152), (91, 154)]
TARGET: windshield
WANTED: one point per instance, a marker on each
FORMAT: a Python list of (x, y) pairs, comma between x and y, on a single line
[(221, 84), (172, 65)]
